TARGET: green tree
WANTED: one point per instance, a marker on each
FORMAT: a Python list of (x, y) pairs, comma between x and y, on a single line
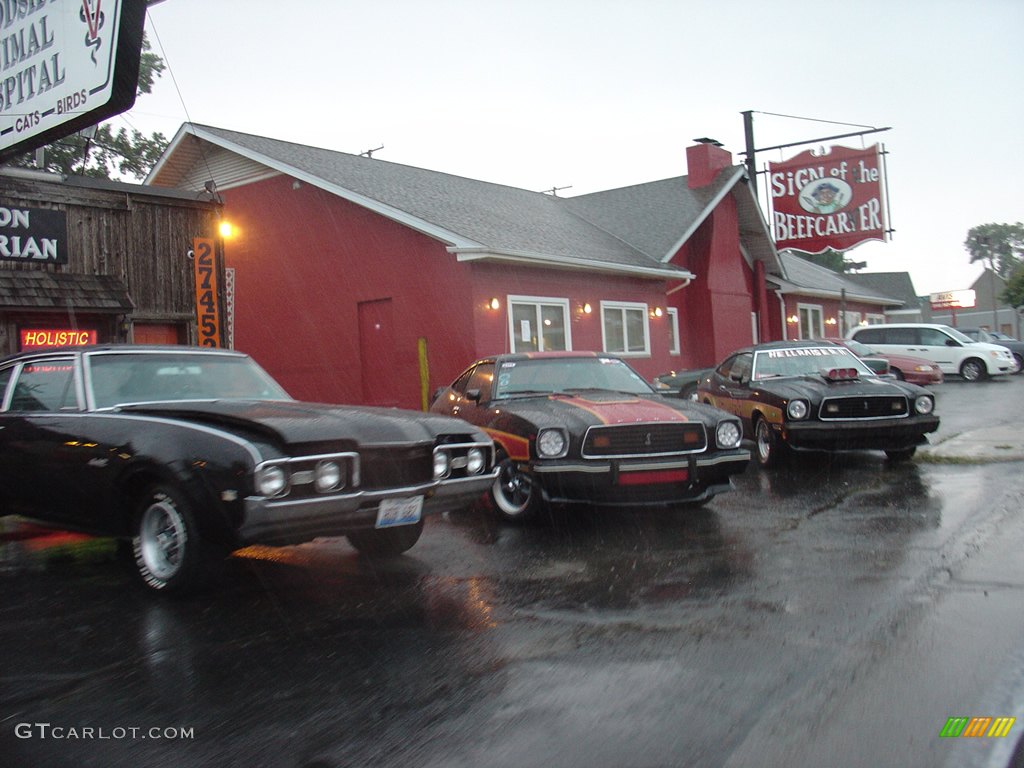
[(107, 154), (1000, 245), (1014, 293)]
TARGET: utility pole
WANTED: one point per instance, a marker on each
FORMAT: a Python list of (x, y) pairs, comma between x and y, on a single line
[(748, 135)]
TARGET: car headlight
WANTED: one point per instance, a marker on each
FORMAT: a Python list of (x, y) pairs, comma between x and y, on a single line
[(271, 481), (328, 476), (797, 409), (442, 464), (551, 443), (728, 434), (475, 461), (924, 405)]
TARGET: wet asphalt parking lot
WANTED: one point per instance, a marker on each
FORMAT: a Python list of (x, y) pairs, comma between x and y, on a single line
[(832, 612)]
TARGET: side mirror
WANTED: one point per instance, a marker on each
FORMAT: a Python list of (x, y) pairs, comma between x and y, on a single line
[(952, 343), (473, 394), (437, 393)]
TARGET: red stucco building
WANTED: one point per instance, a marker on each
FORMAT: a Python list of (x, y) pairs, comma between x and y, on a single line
[(359, 280)]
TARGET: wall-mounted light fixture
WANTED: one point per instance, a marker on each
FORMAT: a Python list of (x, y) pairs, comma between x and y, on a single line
[(657, 312), (494, 303), (792, 319), (585, 308), (226, 229), (830, 321)]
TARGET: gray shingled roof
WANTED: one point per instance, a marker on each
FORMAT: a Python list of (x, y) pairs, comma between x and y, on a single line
[(632, 228), (652, 216), (25, 289), (895, 284), (803, 276), (478, 213)]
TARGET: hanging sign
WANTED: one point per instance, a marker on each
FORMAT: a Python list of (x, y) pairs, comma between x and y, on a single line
[(831, 200), (65, 65), (207, 302)]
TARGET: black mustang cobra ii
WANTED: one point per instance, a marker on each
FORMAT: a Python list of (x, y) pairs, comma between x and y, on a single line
[(192, 453), (813, 395), (585, 427)]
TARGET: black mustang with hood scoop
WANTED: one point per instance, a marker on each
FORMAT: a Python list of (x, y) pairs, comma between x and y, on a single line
[(812, 395), (191, 453)]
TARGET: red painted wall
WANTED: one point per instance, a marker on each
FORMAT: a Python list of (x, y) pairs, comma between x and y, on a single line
[(715, 309), (497, 280), (305, 259), (830, 309)]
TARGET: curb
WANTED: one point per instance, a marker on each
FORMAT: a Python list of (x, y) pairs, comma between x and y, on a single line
[(999, 444)]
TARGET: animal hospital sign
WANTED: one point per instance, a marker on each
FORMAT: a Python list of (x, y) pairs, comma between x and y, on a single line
[(33, 235), (65, 65), (831, 200)]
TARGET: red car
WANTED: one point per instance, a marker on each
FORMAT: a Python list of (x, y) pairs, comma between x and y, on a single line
[(915, 370)]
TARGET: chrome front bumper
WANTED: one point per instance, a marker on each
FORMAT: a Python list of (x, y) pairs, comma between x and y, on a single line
[(291, 521)]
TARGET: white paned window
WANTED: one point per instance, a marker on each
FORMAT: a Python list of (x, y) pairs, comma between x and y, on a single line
[(673, 331), (624, 328), (537, 324), (811, 321)]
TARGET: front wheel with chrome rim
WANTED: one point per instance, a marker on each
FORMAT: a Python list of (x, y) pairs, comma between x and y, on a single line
[(513, 495), (973, 370), (169, 555), (770, 447)]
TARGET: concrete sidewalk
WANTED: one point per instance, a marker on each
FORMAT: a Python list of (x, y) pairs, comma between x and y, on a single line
[(1002, 443)]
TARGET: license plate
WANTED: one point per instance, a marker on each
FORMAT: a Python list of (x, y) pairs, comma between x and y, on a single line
[(399, 512)]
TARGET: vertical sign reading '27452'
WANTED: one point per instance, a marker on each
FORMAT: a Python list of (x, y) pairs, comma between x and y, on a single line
[(207, 305)]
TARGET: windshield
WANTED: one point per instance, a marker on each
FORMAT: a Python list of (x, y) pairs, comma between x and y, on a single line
[(963, 338), (860, 350), (122, 378), (547, 375), (807, 361)]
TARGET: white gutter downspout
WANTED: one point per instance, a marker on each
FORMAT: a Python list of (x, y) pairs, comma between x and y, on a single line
[(686, 282), (782, 310)]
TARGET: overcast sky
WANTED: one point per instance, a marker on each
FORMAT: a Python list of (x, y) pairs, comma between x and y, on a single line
[(599, 94)]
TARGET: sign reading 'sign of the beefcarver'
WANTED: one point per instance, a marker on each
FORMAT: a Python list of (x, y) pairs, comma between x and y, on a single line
[(831, 200), (65, 65)]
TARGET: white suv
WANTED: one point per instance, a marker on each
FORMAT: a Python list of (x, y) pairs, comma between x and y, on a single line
[(949, 349)]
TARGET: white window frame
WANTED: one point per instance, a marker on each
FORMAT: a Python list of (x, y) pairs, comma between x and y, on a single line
[(812, 310), (675, 345), (623, 307), (875, 319), (537, 302)]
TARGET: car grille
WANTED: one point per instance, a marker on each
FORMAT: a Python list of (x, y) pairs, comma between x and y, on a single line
[(864, 407), (395, 467), (627, 440)]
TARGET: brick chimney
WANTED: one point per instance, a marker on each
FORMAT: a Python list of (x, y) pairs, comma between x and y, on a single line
[(703, 162)]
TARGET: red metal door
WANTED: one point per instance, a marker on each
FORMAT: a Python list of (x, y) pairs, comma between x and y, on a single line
[(377, 353)]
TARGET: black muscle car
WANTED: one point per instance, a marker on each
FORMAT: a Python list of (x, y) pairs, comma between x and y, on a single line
[(191, 453), (818, 396), (586, 427)]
